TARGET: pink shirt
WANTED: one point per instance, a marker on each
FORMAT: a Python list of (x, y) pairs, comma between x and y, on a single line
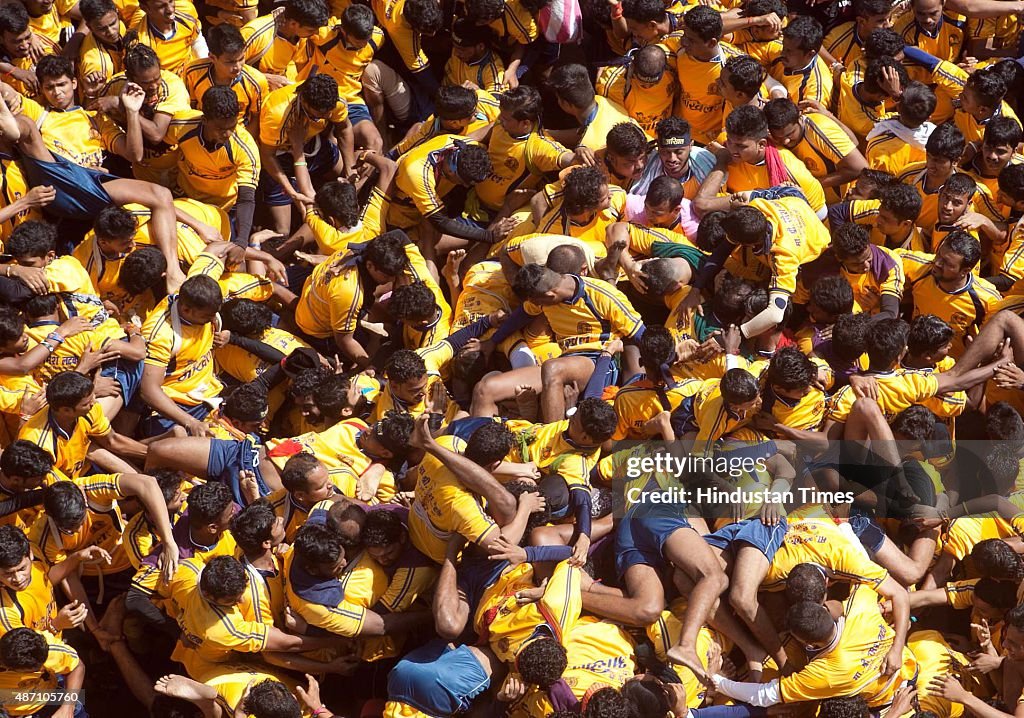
[(688, 221)]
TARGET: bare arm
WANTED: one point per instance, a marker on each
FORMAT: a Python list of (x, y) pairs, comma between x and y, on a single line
[(152, 392), (984, 8), (352, 350), (451, 609), (146, 490), (708, 199), (475, 478)]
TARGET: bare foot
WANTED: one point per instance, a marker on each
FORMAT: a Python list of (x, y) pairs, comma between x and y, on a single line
[(526, 402), (185, 688), (453, 264), (687, 656)]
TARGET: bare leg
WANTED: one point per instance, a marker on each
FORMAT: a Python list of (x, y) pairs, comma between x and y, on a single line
[(561, 534), (282, 217), (190, 454), (751, 567), (643, 604), (162, 223), (903, 567), (367, 136), (31, 142), (501, 386), (555, 375), (690, 553), (1004, 325)]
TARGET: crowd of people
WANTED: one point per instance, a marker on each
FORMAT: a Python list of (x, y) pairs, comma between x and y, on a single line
[(594, 358)]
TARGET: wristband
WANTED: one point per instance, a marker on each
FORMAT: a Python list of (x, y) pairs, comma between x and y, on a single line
[(617, 11), (321, 709), (55, 337), (24, 417), (49, 347), (300, 163)]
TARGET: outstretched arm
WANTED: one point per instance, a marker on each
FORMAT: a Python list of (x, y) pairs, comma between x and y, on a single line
[(474, 477)]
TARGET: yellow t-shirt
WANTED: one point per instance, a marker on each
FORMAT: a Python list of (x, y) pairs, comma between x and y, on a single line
[(282, 111), (408, 42), (61, 659), (271, 53), (32, 607), (67, 449), (345, 65), (852, 665), (73, 134), (213, 173), (798, 238), (250, 88), (700, 104), (102, 527), (517, 163), (646, 105), (444, 507), (184, 351), (420, 188), (175, 48), (744, 176), (822, 543), (596, 313), (965, 309)]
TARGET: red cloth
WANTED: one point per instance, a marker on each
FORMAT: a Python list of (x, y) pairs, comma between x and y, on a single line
[(777, 172)]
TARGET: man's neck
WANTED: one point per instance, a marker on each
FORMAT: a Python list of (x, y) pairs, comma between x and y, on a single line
[(897, 240), (584, 114), (567, 288), (262, 560), (955, 286), (219, 79), (202, 536), (67, 425), (933, 183), (161, 23), (912, 362)]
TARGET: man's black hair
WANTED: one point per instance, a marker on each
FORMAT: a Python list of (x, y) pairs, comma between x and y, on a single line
[(207, 502), (223, 578), (253, 525), (489, 444), (246, 317)]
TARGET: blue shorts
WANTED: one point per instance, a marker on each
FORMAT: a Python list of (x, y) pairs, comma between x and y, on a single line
[(612, 377), (358, 112), (870, 533), (127, 373), (80, 193), (438, 680), (228, 457), (156, 424), (321, 156), (766, 539), (476, 574), (640, 537), (465, 427), (682, 419)]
